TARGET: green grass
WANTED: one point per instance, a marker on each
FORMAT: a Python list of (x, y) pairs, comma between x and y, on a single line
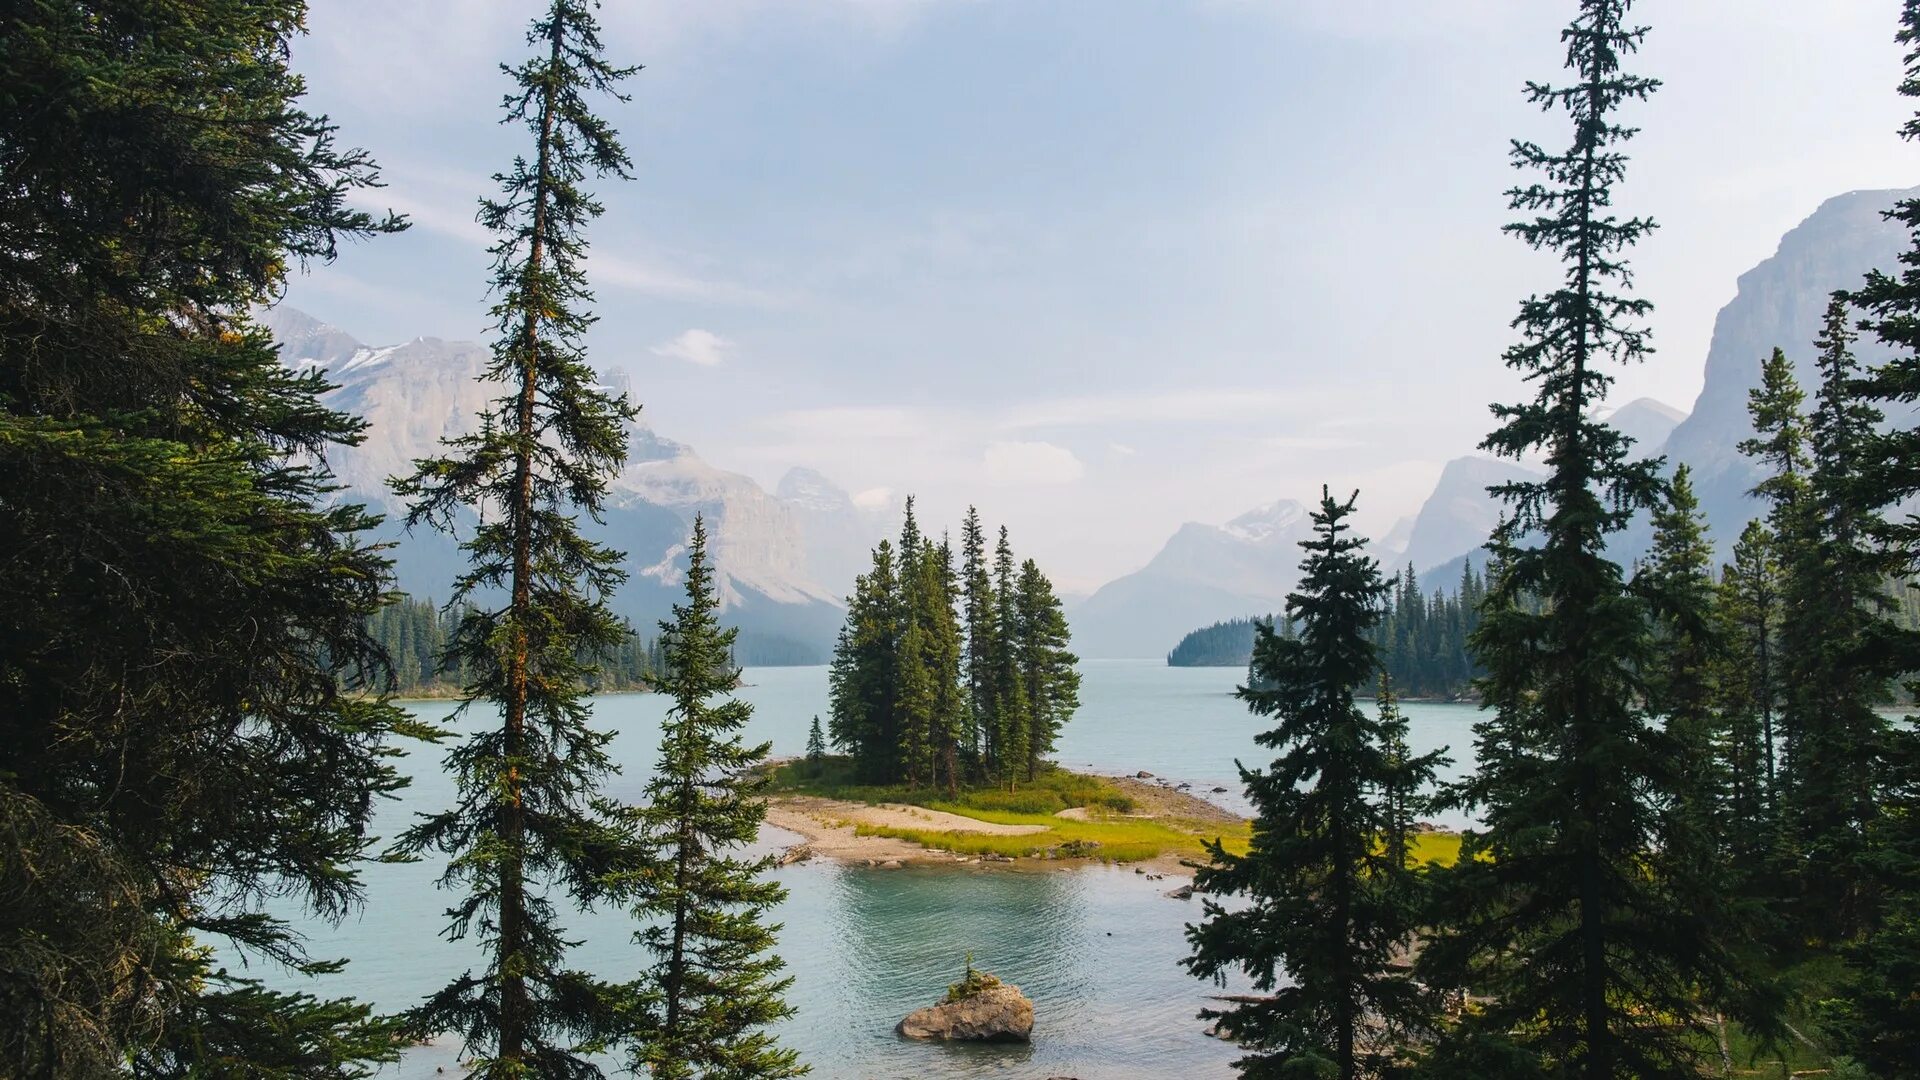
[(1109, 834)]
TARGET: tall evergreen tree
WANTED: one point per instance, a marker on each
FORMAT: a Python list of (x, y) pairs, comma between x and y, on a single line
[(184, 594), (1680, 686), (863, 681), (718, 979), (1749, 609), (1567, 906), (1012, 722), (1881, 1016), (1049, 676), (1328, 908), (1836, 667), (529, 818), (981, 629)]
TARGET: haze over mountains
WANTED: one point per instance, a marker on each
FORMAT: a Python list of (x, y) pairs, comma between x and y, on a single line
[(785, 558), (1779, 302), (782, 560)]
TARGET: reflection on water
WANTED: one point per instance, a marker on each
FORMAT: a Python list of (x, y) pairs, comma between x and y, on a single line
[(1097, 949)]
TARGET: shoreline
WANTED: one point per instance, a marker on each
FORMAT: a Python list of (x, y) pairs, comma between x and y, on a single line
[(829, 830)]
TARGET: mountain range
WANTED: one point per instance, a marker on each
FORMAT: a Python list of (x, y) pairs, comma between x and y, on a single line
[(783, 558), (1205, 574), (780, 558)]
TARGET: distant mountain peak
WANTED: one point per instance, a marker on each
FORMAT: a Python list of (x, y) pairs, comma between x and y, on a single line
[(1276, 519), (809, 490)]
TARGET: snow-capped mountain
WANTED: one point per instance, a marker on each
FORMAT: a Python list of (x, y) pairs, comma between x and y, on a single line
[(778, 558)]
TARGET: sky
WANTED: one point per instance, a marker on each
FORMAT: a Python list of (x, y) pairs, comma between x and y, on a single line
[(1100, 267)]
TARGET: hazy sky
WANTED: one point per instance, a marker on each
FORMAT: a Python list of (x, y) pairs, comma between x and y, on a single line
[(1100, 266)]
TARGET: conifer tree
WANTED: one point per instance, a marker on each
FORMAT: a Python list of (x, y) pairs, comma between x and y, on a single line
[(1680, 688), (981, 628), (1569, 906), (1049, 677), (947, 720), (816, 743), (1328, 906), (529, 822), (185, 600), (864, 680), (1011, 721), (718, 980), (1879, 1019), (1749, 610), (1836, 664)]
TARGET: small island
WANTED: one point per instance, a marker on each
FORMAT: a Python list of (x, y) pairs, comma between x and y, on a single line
[(1061, 817)]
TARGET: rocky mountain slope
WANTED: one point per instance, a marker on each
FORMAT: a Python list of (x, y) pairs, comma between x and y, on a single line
[(781, 559)]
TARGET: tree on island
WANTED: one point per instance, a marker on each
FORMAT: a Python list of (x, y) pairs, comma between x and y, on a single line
[(1571, 906), (943, 675), (530, 825), (715, 985), (1329, 906), (183, 612)]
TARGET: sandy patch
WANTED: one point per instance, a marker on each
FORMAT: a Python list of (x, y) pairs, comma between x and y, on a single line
[(829, 828), (1074, 813)]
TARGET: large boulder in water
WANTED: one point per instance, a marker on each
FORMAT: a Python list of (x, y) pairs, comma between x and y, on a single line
[(990, 1011)]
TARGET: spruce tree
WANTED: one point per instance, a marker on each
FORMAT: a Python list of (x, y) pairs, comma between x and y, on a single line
[(186, 598), (1011, 720), (864, 680), (1680, 682), (980, 629), (1570, 906), (1749, 610), (1328, 908), (1836, 662), (716, 978), (816, 743), (530, 825), (1049, 676)]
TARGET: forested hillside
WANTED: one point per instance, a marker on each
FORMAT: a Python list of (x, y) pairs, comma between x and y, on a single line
[(1421, 638)]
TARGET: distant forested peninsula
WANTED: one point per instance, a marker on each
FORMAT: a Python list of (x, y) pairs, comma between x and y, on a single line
[(1422, 638)]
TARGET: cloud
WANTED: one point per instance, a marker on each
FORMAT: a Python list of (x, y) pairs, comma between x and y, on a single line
[(449, 210), (1178, 407), (696, 346), (1030, 464), (875, 498)]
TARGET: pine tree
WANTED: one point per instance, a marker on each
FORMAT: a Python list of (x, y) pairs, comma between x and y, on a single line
[(1048, 674), (1879, 1020), (186, 597), (981, 644), (529, 817), (1835, 667), (1680, 687), (816, 743), (864, 681), (718, 980), (1568, 906), (1011, 721), (1749, 609), (1328, 907)]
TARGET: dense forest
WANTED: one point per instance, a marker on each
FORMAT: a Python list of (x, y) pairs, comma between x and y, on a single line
[(1697, 834), (948, 674), (414, 635), (1422, 639), (198, 638)]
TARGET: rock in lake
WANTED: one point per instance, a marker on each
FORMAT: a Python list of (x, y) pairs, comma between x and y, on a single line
[(996, 1012)]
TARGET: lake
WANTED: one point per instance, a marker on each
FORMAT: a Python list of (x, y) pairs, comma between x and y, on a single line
[(1097, 949)]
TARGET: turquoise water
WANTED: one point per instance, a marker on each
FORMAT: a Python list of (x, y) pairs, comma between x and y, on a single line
[(1097, 949)]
